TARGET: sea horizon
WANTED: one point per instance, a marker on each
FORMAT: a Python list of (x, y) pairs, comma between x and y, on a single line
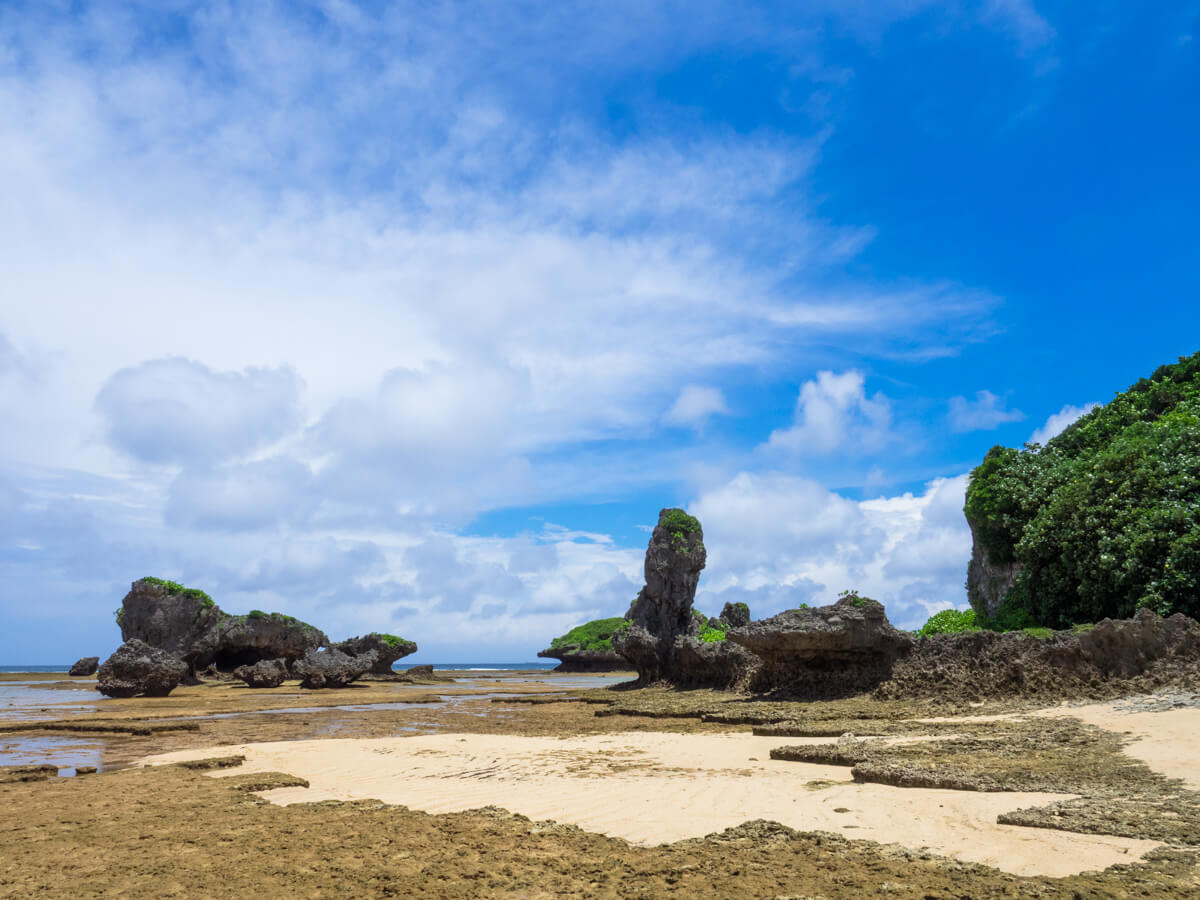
[(445, 666)]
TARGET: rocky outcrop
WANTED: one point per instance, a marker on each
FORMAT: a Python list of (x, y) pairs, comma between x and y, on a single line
[(719, 664), (85, 666), (988, 581), (734, 615), (137, 668), (662, 610), (187, 624), (387, 649), (332, 668), (266, 673), (828, 651), (1116, 657), (422, 675), (588, 647)]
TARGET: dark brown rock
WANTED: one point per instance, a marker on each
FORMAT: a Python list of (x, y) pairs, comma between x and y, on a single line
[(988, 580), (266, 673), (331, 668), (571, 660), (187, 624), (387, 649), (85, 666), (719, 664), (663, 608), (137, 668), (825, 651)]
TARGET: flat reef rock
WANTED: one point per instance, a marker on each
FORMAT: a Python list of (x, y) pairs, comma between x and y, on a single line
[(137, 668), (187, 624), (387, 649), (85, 666), (331, 668), (662, 610), (824, 651)]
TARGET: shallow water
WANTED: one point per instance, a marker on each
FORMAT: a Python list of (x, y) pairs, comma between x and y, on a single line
[(64, 752), (32, 700)]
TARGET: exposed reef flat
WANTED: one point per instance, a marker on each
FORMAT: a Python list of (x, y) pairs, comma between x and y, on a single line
[(1070, 787)]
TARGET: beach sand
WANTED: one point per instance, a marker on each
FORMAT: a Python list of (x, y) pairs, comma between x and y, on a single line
[(656, 788)]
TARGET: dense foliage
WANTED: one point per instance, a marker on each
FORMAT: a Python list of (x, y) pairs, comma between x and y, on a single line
[(594, 635), (393, 641), (1105, 518), (949, 621), (174, 587)]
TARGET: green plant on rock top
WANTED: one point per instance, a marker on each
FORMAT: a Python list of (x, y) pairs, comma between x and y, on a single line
[(680, 526), (949, 621), (392, 640), (595, 635), (711, 635)]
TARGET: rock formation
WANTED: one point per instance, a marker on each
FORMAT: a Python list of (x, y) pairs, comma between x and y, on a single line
[(826, 651), (266, 673), (663, 608), (1116, 657), (187, 624), (387, 649), (86, 665), (988, 581), (332, 668), (734, 615), (137, 668), (588, 648), (716, 664), (422, 675)]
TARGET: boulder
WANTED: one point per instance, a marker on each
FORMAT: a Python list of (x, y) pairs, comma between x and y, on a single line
[(421, 675), (137, 668), (186, 623), (387, 649), (266, 673), (85, 666), (734, 615), (828, 651), (662, 610), (331, 668)]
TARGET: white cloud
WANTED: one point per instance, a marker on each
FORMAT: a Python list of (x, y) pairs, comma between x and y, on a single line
[(1057, 422), (176, 410), (985, 412), (786, 540), (695, 405), (833, 412)]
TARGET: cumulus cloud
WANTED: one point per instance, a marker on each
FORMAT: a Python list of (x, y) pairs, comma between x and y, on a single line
[(1057, 422), (784, 539), (241, 496), (985, 412), (695, 405), (177, 410), (833, 412)]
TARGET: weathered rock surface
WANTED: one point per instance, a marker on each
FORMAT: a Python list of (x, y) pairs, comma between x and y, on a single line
[(663, 608), (422, 675), (1114, 658), (826, 651), (719, 664), (585, 660), (137, 668), (187, 624), (988, 581), (387, 649), (331, 668), (84, 666), (734, 615), (266, 673)]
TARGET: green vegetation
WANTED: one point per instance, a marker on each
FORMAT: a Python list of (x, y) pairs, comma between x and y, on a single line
[(1105, 519), (711, 635), (174, 587), (118, 613), (1041, 634), (743, 608), (393, 641), (594, 635), (680, 526), (949, 621)]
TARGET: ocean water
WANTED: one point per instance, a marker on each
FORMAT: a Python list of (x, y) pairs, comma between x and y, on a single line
[(399, 667)]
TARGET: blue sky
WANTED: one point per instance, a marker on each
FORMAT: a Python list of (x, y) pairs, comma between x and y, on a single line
[(411, 317)]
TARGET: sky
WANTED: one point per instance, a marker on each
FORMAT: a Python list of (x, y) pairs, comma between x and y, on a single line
[(411, 317)]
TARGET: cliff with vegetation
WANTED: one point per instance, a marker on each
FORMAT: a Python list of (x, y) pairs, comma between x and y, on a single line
[(1101, 521), (588, 647)]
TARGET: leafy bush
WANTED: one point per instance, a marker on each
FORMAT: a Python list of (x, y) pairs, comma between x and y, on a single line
[(680, 526), (1105, 518), (594, 635), (174, 587), (392, 640), (712, 635), (949, 621)]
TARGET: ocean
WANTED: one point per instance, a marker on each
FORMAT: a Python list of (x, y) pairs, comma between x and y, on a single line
[(462, 667)]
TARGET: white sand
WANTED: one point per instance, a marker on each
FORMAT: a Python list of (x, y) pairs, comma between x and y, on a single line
[(1167, 741), (657, 788)]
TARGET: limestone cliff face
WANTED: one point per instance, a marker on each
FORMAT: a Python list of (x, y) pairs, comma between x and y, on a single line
[(988, 582)]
